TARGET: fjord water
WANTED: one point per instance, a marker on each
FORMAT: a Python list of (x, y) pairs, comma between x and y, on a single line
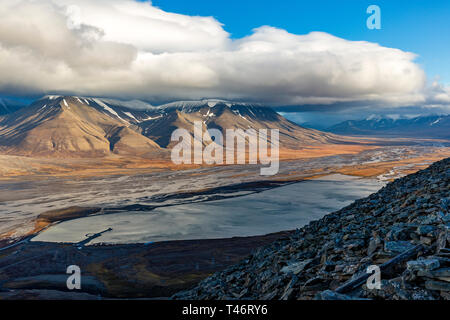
[(283, 208)]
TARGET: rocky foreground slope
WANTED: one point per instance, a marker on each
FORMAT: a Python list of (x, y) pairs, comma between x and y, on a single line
[(403, 229)]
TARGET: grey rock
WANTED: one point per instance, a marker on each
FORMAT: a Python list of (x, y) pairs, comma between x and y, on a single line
[(440, 274), (426, 230), (423, 265), (397, 246), (437, 285), (296, 267), (331, 295)]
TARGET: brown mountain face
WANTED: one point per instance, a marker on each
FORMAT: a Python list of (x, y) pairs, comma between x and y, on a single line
[(67, 126), (223, 115), (60, 126), (126, 141)]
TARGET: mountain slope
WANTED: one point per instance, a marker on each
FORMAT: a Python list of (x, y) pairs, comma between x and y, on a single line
[(124, 140), (222, 115), (434, 126), (69, 126), (410, 215)]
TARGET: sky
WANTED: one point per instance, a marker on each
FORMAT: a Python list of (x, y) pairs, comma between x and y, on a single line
[(304, 57), (418, 26)]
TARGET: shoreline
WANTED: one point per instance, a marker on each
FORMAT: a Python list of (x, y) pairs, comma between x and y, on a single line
[(53, 217), (374, 170)]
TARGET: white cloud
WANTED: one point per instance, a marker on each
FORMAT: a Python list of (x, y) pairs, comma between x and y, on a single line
[(124, 48), (437, 94)]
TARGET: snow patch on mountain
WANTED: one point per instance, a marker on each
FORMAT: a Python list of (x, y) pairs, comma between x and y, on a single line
[(437, 121), (209, 114), (109, 109), (152, 118), (190, 105), (51, 97), (132, 104), (129, 114), (237, 112)]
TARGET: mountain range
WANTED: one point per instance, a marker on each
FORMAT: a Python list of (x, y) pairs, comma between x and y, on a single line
[(70, 126), (430, 126)]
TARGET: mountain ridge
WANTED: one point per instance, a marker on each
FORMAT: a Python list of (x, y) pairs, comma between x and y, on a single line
[(91, 127), (432, 126), (66, 126)]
